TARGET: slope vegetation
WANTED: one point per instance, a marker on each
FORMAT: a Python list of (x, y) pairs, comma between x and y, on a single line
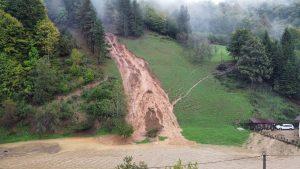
[(211, 108), (207, 115)]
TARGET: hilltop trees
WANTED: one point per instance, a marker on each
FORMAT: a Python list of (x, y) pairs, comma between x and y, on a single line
[(29, 12), (137, 25), (154, 21), (83, 15), (129, 19)]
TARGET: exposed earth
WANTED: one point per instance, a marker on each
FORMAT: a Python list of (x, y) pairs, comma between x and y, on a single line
[(99, 153), (149, 107)]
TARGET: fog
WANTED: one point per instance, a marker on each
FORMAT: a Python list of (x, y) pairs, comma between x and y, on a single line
[(205, 14)]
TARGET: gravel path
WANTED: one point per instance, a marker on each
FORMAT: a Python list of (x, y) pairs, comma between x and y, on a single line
[(90, 153)]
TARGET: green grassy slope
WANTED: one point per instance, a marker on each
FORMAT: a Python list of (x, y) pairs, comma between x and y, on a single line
[(208, 114)]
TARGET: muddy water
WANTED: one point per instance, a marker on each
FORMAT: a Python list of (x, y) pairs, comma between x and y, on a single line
[(148, 104)]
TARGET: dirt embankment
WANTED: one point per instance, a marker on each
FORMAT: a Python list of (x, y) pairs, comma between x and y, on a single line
[(259, 143), (148, 105)]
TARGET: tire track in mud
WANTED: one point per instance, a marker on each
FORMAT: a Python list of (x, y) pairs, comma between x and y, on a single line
[(149, 106)]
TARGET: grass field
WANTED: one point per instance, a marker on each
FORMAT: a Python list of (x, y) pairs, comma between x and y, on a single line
[(208, 114)]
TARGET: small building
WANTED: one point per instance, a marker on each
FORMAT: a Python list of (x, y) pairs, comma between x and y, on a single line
[(297, 119), (258, 124)]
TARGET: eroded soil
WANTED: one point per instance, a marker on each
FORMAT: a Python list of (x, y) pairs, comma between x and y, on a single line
[(149, 107)]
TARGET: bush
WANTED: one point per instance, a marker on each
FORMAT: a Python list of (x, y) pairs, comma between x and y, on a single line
[(222, 67), (101, 109), (66, 112), (47, 120), (75, 70), (9, 118), (82, 122), (129, 164), (123, 129), (24, 110), (46, 82), (89, 76), (152, 133), (199, 50)]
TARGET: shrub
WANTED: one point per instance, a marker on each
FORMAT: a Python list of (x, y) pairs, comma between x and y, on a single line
[(82, 121), (66, 112), (75, 70), (152, 132), (129, 164), (89, 76), (222, 67), (179, 165), (101, 109), (47, 120), (123, 129), (46, 82), (9, 118), (24, 110), (199, 50)]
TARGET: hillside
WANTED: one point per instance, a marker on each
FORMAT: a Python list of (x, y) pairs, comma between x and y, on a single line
[(209, 113)]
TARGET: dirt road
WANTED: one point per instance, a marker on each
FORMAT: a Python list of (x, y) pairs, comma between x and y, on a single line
[(148, 105), (91, 153)]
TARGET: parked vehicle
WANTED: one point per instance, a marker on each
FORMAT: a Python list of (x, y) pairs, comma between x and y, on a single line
[(285, 127)]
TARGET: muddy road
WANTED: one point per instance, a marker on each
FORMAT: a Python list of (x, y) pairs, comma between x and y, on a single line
[(149, 107), (96, 153)]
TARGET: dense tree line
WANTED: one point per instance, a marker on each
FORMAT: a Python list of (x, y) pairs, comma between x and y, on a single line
[(128, 18), (267, 60), (124, 17), (83, 15)]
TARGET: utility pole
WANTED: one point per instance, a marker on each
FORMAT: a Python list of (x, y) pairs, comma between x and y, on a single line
[(264, 156)]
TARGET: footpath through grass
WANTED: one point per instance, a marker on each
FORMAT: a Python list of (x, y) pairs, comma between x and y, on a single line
[(207, 115)]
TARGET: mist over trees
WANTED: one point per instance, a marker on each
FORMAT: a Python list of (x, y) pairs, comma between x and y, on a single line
[(130, 18), (267, 60)]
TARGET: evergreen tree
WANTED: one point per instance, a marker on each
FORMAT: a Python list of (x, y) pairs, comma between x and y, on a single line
[(100, 43), (238, 40), (171, 28), (124, 9), (287, 44), (13, 40), (29, 12), (277, 60), (254, 63), (183, 23), (45, 80), (110, 17), (287, 80), (46, 37), (11, 77), (183, 20), (267, 43), (136, 24), (92, 29), (154, 21)]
